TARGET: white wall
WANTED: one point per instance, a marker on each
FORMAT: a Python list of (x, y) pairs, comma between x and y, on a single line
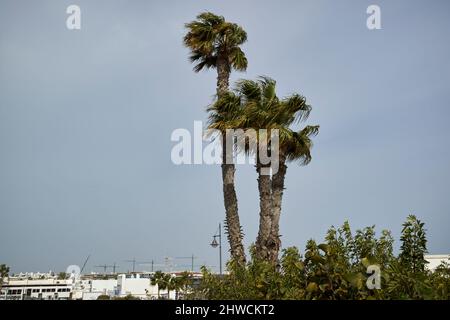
[(435, 260), (139, 287)]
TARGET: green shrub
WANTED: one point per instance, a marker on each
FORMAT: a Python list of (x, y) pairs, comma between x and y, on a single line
[(336, 270)]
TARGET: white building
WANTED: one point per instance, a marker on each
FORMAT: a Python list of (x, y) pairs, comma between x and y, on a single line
[(135, 284), (44, 289), (85, 288), (138, 285), (434, 260), (91, 289)]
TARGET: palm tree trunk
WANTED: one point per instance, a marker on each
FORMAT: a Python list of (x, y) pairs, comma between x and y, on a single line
[(274, 242), (265, 214), (233, 225), (223, 75)]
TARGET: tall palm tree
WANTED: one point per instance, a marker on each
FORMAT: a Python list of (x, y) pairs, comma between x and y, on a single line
[(255, 105), (215, 43), (182, 284), (259, 104), (159, 279), (163, 281), (295, 146)]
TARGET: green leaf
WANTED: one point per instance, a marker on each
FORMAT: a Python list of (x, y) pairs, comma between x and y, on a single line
[(324, 247), (312, 287)]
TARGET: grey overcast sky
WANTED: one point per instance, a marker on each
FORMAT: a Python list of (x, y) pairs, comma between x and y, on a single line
[(86, 118)]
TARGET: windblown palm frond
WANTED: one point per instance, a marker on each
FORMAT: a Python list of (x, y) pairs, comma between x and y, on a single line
[(209, 37), (255, 105), (226, 113), (299, 144)]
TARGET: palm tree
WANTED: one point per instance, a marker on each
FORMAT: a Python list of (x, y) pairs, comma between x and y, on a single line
[(170, 284), (215, 43), (4, 272), (158, 280), (183, 283), (295, 146), (255, 105), (259, 102)]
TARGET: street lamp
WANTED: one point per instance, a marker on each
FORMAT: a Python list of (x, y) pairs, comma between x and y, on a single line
[(216, 244)]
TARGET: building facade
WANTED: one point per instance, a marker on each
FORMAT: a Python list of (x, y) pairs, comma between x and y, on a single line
[(87, 287)]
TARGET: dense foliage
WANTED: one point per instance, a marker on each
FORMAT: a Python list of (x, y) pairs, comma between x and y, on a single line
[(4, 271), (336, 269)]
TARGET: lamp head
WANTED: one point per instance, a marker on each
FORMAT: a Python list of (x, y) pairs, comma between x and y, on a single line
[(214, 243)]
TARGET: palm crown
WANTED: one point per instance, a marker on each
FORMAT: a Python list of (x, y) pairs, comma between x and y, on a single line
[(210, 38), (255, 105)]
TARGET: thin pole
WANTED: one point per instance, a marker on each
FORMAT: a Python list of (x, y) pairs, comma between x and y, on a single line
[(192, 265), (220, 248)]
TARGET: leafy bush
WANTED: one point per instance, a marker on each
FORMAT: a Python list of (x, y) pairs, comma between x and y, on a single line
[(336, 269)]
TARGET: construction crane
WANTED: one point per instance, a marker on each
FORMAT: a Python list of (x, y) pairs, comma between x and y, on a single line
[(153, 264), (134, 262), (84, 264), (168, 263), (105, 266), (192, 258), (115, 266)]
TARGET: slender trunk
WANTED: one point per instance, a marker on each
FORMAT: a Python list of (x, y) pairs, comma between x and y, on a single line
[(223, 76), (274, 242), (233, 225), (265, 214)]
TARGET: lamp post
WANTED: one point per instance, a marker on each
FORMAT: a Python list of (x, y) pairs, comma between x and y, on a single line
[(214, 244)]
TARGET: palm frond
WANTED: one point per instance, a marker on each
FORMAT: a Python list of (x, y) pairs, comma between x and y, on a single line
[(210, 36), (248, 89), (238, 60), (296, 104), (268, 86), (202, 61)]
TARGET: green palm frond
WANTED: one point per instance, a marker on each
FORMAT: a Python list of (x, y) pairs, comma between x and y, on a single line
[(310, 131), (238, 60), (255, 105), (226, 113), (210, 36), (298, 146), (268, 86), (296, 104), (203, 61), (248, 89)]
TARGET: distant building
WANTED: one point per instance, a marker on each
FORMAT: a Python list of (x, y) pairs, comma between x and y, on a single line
[(135, 284), (434, 260), (87, 287), (42, 289)]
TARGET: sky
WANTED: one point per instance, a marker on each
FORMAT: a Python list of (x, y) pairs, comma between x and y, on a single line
[(86, 118)]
